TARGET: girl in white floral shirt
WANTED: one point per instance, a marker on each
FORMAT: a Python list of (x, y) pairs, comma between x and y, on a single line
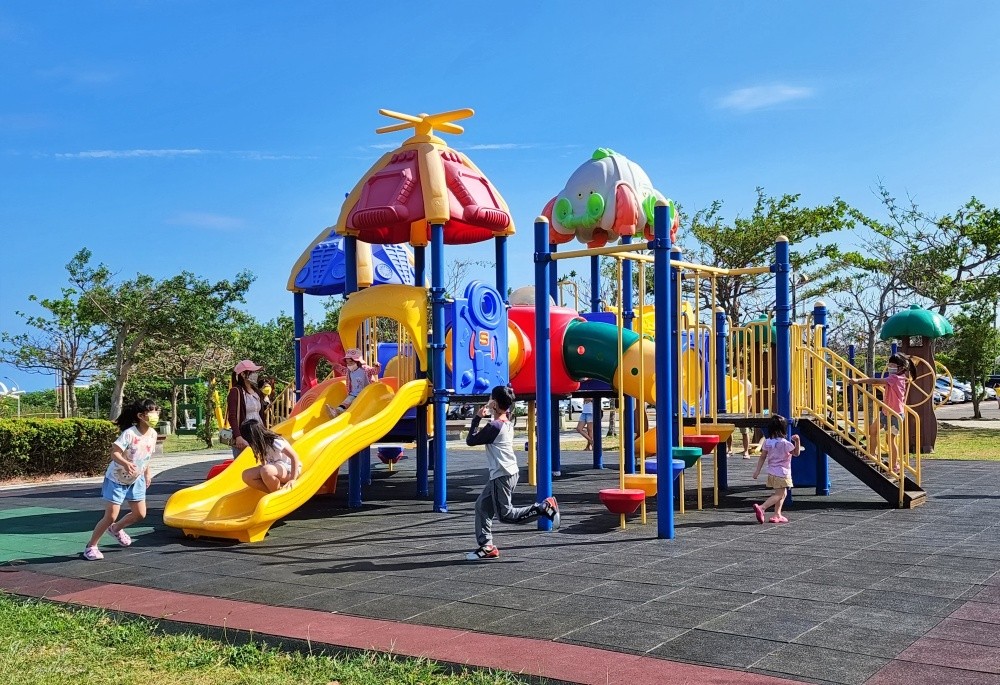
[(127, 476)]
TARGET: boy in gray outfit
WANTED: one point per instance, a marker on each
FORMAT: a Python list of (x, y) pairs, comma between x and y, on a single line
[(495, 500)]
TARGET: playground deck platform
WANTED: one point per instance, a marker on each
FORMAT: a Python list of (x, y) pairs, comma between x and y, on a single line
[(850, 591)]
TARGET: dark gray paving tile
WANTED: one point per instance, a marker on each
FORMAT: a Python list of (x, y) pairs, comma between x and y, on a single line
[(845, 637), (637, 592), (910, 603), (924, 586), (815, 610), (537, 624), (780, 626), (813, 591), (706, 647), (677, 615), (558, 582), (951, 575), (588, 605), (878, 619), (823, 664), (622, 635), (462, 615), (515, 597), (334, 600), (707, 597), (280, 594), (450, 589), (725, 581), (395, 607)]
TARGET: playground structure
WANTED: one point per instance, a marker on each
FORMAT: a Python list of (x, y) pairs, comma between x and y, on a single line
[(428, 195)]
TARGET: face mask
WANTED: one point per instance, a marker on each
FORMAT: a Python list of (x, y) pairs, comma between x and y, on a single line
[(252, 377), (152, 418), (892, 369)]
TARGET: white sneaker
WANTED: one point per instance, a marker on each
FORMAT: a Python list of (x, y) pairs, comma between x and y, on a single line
[(92, 554)]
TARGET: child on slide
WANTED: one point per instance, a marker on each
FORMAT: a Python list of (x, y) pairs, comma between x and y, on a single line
[(359, 375)]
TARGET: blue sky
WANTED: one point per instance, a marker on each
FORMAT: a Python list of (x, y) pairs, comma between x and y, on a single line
[(217, 136)]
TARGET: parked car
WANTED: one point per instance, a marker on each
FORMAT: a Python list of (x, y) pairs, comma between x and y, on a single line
[(956, 395)]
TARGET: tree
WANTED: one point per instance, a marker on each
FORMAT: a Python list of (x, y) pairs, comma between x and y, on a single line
[(868, 294), (270, 344), (746, 242), (67, 342), (949, 260), (143, 313), (459, 271), (975, 346)]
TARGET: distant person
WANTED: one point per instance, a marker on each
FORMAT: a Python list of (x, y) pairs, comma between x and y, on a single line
[(279, 462), (246, 401), (898, 372), (358, 376), (127, 476), (777, 452), (496, 498), (585, 426)]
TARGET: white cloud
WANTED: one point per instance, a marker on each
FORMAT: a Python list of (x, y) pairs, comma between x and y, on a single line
[(216, 222), (79, 76), (167, 153), (761, 97), (500, 146), (123, 154)]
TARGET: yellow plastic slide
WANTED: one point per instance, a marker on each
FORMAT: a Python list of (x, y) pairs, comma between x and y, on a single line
[(224, 507)]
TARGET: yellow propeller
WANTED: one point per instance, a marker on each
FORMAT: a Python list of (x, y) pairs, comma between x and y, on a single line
[(426, 124)]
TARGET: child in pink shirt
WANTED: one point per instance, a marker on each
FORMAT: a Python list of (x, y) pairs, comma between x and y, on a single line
[(896, 384), (777, 452)]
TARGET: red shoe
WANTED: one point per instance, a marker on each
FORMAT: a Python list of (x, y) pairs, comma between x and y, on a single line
[(484, 553), (758, 511)]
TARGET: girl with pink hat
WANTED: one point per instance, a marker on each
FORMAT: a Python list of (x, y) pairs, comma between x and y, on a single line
[(245, 401), (358, 376)]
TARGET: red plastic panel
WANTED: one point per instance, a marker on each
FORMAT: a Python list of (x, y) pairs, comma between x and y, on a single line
[(524, 381), (390, 200)]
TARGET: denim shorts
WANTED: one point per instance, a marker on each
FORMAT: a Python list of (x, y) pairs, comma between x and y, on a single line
[(894, 425), (116, 493), (587, 417)]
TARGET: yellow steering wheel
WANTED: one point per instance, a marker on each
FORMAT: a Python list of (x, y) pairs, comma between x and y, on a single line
[(924, 371)]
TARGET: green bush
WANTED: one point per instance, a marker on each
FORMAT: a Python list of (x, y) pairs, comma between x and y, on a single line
[(41, 447)]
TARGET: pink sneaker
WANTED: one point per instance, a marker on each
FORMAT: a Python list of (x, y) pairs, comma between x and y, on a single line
[(758, 511), (778, 519), (120, 535), (92, 554)]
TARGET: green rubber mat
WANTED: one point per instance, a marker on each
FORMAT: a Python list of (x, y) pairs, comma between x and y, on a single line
[(28, 533)]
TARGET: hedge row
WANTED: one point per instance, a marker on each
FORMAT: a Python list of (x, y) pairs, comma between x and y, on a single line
[(41, 447)]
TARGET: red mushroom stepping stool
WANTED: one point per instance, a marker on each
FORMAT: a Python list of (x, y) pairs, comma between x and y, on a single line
[(706, 443), (622, 501)]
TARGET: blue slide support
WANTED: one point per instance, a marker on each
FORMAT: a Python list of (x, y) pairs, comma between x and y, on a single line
[(299, 322), (722, 451), (440, 392), (423, 479)]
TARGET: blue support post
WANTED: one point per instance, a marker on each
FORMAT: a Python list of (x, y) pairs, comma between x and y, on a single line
[(351, 285), (556, 445), (420, 430), (501, 268), (543, 367), (366, 465), (893, 349), (299, 314), (783, 348), (628, 314), (665, 398), (822, 460), (598, 434), (673, 325), (722, 451), (440, 392)]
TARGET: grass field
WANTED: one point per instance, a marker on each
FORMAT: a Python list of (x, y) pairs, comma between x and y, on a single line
[(45, 643), (967, 444), (188, 443)]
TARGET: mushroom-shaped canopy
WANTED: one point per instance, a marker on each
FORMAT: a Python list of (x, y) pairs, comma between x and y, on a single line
[(916, 321)]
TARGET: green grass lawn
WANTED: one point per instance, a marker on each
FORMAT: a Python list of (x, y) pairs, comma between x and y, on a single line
[(967, 443), (188, 443), (46, 643)]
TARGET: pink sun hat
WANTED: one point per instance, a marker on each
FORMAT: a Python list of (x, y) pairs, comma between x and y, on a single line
[(355, 354), (246, 365)]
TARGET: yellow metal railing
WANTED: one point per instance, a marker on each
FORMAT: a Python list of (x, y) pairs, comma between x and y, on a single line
[(822, 390)]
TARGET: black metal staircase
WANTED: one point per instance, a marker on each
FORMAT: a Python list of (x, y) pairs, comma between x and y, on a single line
[(852, 460)]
